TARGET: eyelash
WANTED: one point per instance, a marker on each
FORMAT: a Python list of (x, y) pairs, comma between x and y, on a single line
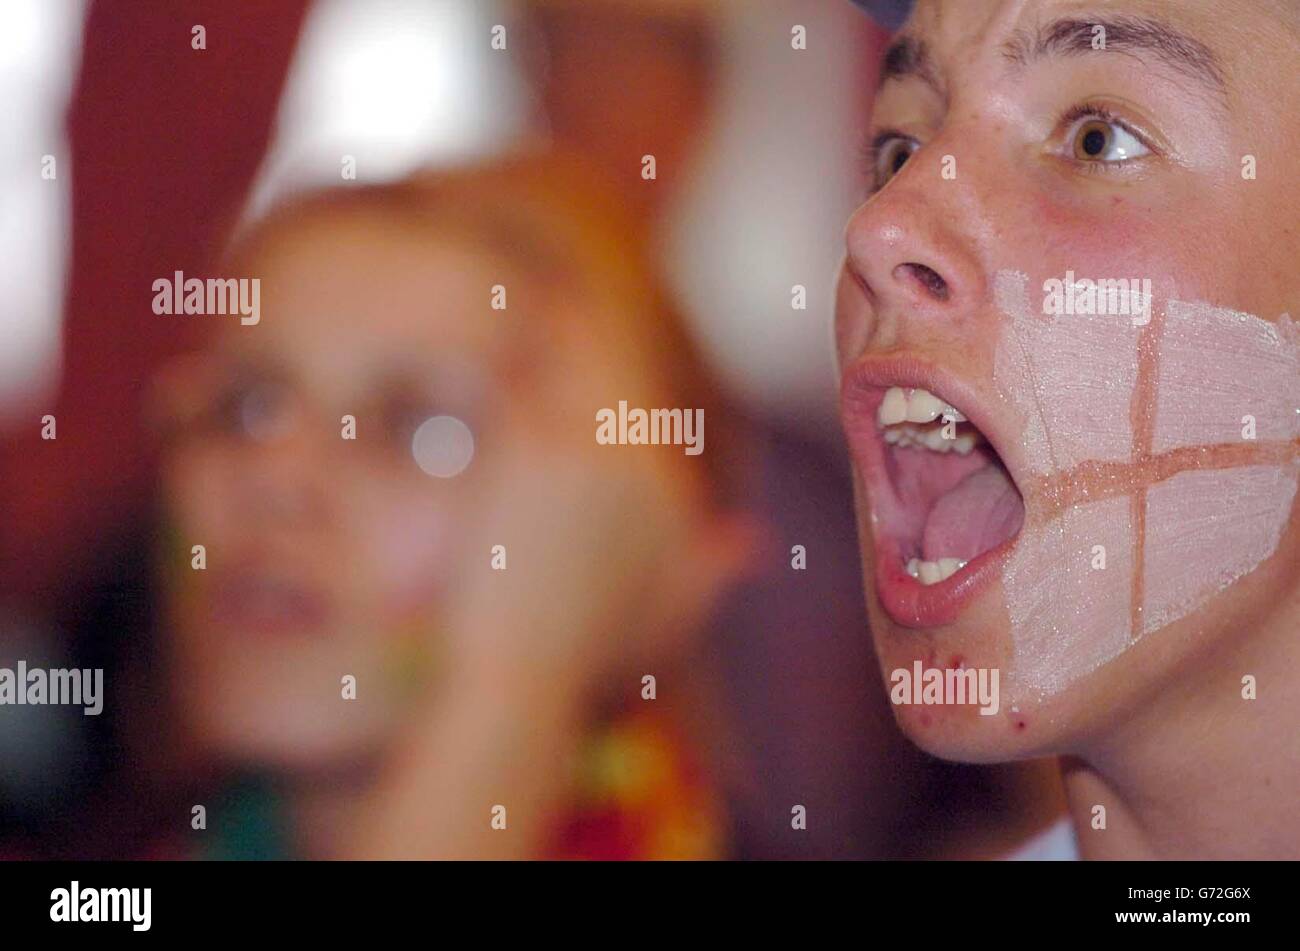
[(876, 146), (871, 154), (1102, 114)]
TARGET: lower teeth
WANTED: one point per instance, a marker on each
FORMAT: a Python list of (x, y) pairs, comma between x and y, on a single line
[(932, 572)]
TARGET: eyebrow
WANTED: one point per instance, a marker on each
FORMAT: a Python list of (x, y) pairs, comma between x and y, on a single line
[(909, 57), (1124, 34)]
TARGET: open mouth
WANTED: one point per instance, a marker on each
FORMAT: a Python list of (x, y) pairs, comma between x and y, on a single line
[(944, 506), (953, 499)]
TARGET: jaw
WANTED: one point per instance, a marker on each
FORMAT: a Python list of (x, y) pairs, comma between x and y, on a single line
[(1029, 723)]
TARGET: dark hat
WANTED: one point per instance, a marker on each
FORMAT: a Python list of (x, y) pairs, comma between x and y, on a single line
[(890, 14)]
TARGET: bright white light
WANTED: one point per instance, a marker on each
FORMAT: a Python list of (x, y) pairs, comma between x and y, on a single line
[(39, 57), (765, 206), (396, 84), (443, 446)]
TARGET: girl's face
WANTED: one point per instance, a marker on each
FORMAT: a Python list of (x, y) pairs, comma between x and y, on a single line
[(1070, 381), (329, 556), (325, 554)]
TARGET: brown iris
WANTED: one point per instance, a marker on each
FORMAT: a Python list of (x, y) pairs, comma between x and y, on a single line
[(1092, 140)]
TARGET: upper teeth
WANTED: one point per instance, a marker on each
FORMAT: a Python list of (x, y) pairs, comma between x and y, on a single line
[(914, 406), (903, 413)]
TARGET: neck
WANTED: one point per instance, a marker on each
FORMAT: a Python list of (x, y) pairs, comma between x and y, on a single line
[(322, 812), (1205, 773)]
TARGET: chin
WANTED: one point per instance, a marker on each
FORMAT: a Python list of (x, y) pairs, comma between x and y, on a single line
[(1183, 660), (969, 648), (286, 736)]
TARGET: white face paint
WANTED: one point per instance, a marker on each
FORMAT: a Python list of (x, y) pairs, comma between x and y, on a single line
[(1206, 529), (1218, 366), (1072, 377), (1187, 433), (1067, 617)]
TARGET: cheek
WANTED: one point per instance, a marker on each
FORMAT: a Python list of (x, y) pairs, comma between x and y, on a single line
[(850, 319), (1114, 237), (1162, 445), (200, 502), (403, 549), (1068, 589), (1123, 237)]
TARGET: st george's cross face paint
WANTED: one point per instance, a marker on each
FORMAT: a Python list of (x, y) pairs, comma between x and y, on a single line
[(1164, 458), (1082, 470)]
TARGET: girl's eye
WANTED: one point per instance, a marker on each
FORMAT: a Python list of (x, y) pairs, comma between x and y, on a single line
[(248, 409), (1103, 140), (399, 417), (892, 153), (266, 412)]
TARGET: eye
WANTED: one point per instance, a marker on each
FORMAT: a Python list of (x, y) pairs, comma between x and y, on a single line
[(1101, 139), (890, 152), (414, 421), (400, 415), (231, 406), (265, 412), (241, 403)]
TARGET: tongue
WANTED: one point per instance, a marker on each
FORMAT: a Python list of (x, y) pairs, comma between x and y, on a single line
[(979, 513)]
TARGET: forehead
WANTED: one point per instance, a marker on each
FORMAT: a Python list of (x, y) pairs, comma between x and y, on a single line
[(982, 19), (1198, 37), (352, 298), (1228, 55), (364, 282)]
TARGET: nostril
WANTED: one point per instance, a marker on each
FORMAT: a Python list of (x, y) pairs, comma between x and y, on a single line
[(926, 277)]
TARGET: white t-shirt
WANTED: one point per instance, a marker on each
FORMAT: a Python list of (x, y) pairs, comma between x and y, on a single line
[(1056, 843)]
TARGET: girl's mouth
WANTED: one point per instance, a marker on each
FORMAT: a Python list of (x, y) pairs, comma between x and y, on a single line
[(944, 506), (262, 604)]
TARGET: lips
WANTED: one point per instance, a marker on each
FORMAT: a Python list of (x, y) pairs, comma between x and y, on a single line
[(944, 503), (263, 603)]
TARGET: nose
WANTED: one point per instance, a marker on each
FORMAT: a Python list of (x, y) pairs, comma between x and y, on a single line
[(284, 479), (913, 249)]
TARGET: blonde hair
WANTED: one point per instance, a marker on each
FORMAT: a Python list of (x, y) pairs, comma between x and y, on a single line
[(544, 214)]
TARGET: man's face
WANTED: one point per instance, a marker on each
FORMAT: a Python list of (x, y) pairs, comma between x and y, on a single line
[(1083, 239)]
